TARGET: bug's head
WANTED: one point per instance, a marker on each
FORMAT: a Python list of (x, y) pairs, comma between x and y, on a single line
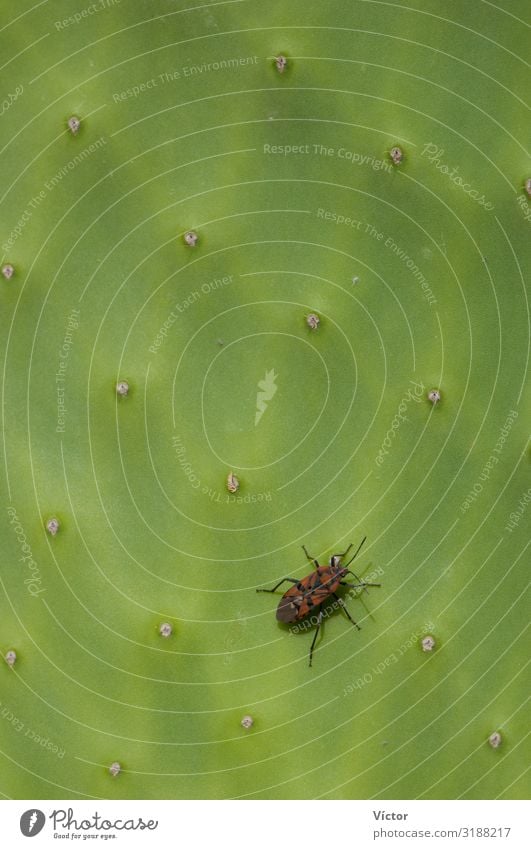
[(337, 569), (335, 562)]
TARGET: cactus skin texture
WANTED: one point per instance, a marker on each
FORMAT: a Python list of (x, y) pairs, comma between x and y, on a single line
[(187, 126)]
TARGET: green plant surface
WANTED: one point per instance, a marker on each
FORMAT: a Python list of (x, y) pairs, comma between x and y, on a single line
[(423, 288)]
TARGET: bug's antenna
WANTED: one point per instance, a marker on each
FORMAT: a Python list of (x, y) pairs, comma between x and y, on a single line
[(357, 552)]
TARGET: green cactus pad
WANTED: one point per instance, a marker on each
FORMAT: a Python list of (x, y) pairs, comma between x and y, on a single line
[(231, 287)]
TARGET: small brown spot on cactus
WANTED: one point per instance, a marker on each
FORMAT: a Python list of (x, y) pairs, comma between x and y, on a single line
[(74, 124), (312, 321), (165, 630), (247, 722), (115, 768), (233, 484), (396, 155), (8, 271), (122, 388), (11, 657), (190, 238), (52, 526), (281, 63), (434, 396), (495, 739), (428, 643), (527, 186)]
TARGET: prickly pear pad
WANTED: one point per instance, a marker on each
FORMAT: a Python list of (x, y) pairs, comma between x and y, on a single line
[(263, 285)]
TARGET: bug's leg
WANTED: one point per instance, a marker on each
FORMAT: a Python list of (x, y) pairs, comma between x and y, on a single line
[(319, 620), (310, 558), (361, 584), (283, 581), (344, 606), (344, 553), (350, 572)]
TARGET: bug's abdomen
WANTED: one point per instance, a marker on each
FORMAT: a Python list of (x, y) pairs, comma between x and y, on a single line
[(302, 598), (292, 602)]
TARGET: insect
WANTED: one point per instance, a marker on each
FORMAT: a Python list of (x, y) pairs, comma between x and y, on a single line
[(309, 594)]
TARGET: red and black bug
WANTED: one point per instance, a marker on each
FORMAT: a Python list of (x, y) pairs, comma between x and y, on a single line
[(309, 594)]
